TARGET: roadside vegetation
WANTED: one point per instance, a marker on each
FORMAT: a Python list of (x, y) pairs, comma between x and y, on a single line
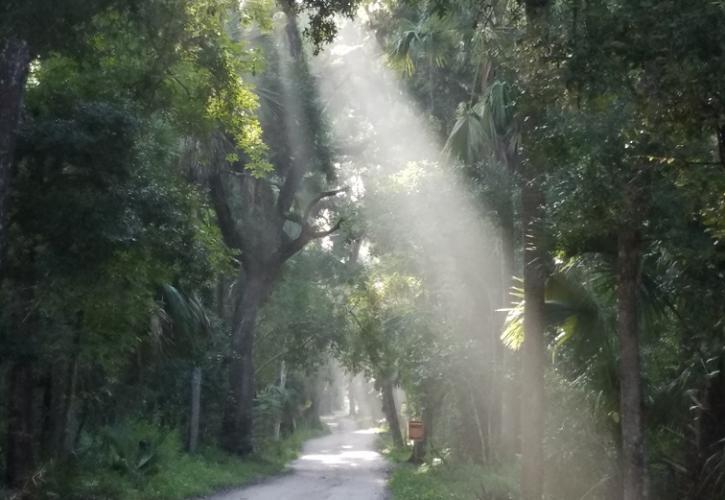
[(445, 479), (163, 470)]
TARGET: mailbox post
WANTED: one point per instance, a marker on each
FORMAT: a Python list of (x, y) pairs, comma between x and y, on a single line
[(416, 430), (416, 433)]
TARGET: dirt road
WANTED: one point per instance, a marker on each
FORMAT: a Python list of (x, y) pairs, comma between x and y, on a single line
[(341, 466)]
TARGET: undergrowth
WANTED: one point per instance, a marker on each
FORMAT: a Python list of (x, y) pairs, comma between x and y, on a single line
[(159, 468), (440, 479)]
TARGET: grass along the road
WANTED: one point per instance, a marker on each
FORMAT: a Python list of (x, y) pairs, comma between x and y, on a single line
[(441, 480), (175, 474)]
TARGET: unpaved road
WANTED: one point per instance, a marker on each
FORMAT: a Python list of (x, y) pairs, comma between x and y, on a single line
[(341, 466)]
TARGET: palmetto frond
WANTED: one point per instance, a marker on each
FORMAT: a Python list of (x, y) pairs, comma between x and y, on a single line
[(427, 40), (186, 317), (470, 136), (483, 129), (580, 301)]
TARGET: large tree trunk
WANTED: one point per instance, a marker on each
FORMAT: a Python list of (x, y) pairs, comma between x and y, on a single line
[(533, 350), (195, 413), (509, 363), (532, 215), (19, 449), (391, 412), (259, 234), (633, 458), (237, 426), (14, 62)]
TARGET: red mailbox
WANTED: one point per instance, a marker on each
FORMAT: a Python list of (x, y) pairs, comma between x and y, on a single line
[(416, 430)]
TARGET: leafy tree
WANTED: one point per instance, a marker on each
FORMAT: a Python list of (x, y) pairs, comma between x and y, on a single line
[(101, 204), (272, 219)]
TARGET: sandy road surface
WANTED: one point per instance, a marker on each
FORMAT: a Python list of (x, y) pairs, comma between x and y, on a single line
[(341, 466)]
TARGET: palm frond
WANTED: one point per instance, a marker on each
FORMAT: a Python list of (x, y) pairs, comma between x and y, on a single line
[(187, 316)]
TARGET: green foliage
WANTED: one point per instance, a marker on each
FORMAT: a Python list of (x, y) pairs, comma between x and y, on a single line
[(305, 317), (287, 449), (107, 226), (140, 461), (132, 449), (191, 69), (322, 27), (49, 33), (585, 108), (458, 482), (450, 481)]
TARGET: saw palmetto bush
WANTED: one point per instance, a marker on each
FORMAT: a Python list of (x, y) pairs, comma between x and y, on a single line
[(134, 449)]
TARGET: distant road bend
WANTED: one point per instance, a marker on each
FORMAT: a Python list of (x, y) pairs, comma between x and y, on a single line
[(341, 466)]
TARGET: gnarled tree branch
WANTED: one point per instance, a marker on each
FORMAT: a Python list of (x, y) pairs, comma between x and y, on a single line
[(308, 234), (313, 204)]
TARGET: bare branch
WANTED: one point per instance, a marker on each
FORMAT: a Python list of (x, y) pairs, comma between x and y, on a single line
[(304, 238), (321, 234), (316, 200)]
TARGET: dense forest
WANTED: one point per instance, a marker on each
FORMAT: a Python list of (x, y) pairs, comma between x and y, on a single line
[(222, 219)]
